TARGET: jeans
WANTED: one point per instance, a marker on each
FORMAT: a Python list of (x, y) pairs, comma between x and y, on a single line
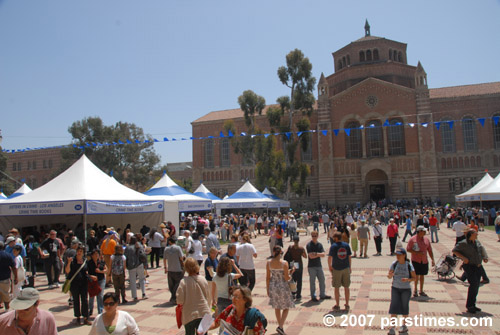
[(316, 226), (326, 226), (434, 232), (317, 272), (297, 276), (292, 231), (248, 278), (132, 275), (52, 264), (32, 265), (378, 243), (393, 241), (155, 252), (79, 292), (407, 232), (100, 304), (473, 274), (174, 279), (190, 328)]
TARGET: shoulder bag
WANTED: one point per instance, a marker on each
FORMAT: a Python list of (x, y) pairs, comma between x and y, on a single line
[(67, 283)]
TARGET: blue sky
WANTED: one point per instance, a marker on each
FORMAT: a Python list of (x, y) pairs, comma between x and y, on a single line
[(161, 64)]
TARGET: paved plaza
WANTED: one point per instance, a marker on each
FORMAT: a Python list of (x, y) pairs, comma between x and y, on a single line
[(370, 295)]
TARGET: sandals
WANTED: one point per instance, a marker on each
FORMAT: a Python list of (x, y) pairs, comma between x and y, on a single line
[(423, 294), (415, 294), (347, 308)]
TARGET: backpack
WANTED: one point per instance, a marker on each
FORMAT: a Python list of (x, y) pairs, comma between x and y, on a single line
[(393, 267), (251, 317), (117, 266)]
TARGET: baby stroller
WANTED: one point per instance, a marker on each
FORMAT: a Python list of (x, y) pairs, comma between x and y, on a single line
[(445, 266)]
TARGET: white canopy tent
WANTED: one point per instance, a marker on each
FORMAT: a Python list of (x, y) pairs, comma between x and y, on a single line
[(20, 191), (246, 197), (81, 190), (204, 192), (279, 203), (488, 192), (2, 196), (471, 194), (177, 200)]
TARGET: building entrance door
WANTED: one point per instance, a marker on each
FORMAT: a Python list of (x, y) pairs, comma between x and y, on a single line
[(377, 192)]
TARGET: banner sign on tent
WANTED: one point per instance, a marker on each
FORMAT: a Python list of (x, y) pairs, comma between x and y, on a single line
[(42, 208), (194, 206), (123, 207), (242, 205)]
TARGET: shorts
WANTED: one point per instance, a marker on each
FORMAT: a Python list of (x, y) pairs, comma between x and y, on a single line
[(341, 278), (4, 290), (421, 269)]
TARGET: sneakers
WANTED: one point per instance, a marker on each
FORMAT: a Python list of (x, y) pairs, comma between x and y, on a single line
[(403, 329), (58, 285), (314, 299), (51, 286), (336, 308), (144, 297), (325, 297), (391, 331), (280, 331)]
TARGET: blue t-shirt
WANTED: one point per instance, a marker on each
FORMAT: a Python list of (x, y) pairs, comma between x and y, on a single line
[(10, 250), (408, 224), (401, 271), (340, 252), (6, 262), (210, 263)]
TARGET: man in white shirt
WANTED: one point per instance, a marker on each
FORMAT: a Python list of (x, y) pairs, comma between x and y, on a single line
[(326, 222), (292, 227), (459, 228), (245, 253)]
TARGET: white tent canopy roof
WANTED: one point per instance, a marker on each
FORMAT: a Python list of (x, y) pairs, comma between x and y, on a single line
[(246, 197), (204, 192), (20, 191), (489, 192), (83, 181), (471, 194)]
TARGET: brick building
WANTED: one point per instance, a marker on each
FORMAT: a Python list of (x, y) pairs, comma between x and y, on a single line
[(396, 138), (33, 167)]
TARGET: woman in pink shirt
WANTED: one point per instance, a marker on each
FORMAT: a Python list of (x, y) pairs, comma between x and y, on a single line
[(392, 234)]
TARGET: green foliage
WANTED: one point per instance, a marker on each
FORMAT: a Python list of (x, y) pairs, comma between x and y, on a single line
[(251, 104), (7, 185), (131, 164)]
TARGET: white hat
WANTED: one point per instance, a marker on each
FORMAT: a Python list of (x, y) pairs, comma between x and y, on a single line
[(25, 299)]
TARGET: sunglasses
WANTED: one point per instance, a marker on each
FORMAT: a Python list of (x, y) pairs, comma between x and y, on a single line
[(109, 304)]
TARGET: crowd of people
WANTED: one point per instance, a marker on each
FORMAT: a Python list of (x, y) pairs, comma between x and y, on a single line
[(103, 257)]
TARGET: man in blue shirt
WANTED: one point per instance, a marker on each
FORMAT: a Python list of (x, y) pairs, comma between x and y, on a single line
[(339, 263), (7, 265), (408, 227), (9, 245)]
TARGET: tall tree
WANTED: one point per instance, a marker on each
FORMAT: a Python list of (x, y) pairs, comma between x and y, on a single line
[(297, 76), (131, 164), (7, 183)]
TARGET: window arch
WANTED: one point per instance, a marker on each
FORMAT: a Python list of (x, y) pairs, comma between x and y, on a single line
[(396, 137), (353, 145), (348, 60), (473, 162), (496, 131), (368, 55), (469, 134), (478, 161), (447, 137), (400, 57), (361, 56), (339, 64), (467, 162), (224, 152), (375, 54), (209, 153), (443, 163), (374, 139)]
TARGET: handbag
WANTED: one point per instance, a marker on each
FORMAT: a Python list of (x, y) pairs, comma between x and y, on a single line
[(178, 315), (293, 285), (94, 288), (67, 283)]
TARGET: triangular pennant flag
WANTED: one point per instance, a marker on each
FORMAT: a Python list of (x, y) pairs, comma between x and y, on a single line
[(174, 139), (425, 124), (361, 127), (411, 124), (230, 133), (348, 131), (221, 134), (336, 132), (438, 125), (495, 119), (243, 134), (299, 133), (266, 135), (288, 135), (183, 139), (129, 142), (324, 132), (165, 139), (137, 141), (450, 123), (192, 138), (481, 121), (156, 140), (386, 123)]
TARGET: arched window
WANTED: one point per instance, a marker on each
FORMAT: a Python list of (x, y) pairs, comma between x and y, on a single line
[(225, 175), (361, 56), (496, 131), (209, 153), (390, 54), (230, 175), (339, 65), (447, 136), (375, 54), (348, 60), (343, 61), (344, 187), (353, 145), (400, 57), (307, 154), (396, 137), (368, 55), (224, 152), (473, 162), (204, 178), (495, 160), (443, 163), (478, 161), (448, 163), (469, 134), (467, 163), (374, 139)]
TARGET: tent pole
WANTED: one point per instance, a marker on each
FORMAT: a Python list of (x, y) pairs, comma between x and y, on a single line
[(85, 223)]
